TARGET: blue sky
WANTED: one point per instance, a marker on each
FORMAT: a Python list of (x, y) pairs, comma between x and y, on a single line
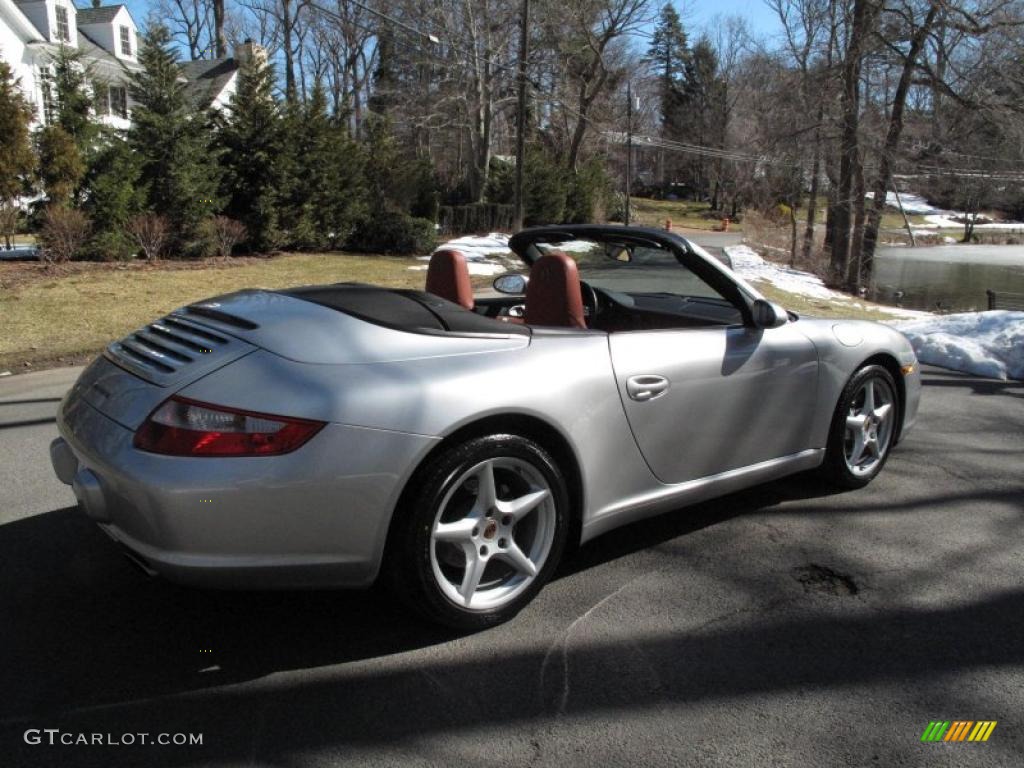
[(696, 13), (762, 20)]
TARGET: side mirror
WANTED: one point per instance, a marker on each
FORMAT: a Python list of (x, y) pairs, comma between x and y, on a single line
[(620, 253), (768, 314), (514, 285)]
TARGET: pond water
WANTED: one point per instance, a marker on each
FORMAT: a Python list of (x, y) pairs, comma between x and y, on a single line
[(947, 277)]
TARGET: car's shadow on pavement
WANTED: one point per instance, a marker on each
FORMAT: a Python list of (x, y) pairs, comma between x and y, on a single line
[(84, 627)]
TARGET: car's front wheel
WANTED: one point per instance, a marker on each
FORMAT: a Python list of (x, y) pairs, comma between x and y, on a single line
[(482, 531), (863, 428)]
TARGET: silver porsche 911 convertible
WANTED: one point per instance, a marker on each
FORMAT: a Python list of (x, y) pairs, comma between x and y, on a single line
[(456, 445)]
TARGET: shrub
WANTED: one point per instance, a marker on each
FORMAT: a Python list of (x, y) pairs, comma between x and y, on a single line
[(152, 232), (423, 185), (587, 194), (501, 182), (63, 233), (544, 188), (227, 233), (394, 232)]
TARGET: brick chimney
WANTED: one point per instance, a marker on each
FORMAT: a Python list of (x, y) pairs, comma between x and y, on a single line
[(249, 51)]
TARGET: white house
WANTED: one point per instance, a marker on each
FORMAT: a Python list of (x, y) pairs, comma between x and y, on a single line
[(33, 31)]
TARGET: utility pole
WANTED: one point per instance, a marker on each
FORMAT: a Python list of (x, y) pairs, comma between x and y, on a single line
[(524, 42), (629, 142)]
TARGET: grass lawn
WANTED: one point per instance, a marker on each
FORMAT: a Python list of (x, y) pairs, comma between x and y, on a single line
[(684, 214), (70, 312), (850, 308)]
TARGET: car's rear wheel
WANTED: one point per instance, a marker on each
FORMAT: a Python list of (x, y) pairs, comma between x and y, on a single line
[(863, 428), (484, 529)]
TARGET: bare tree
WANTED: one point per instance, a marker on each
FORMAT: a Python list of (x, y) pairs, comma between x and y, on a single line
[(152, 232), (228, 233), (64, 232), (191, 23), (586, 36)]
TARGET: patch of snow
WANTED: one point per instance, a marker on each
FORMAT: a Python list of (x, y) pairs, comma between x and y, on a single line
[(983, 343), (575, 246), (912, 204), (475, 267), (937, 218), (479, 247), (480, 252), (948, 221), (749, 265)]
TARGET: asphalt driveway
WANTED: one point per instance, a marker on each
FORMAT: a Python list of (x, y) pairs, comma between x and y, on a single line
[(785, 625)]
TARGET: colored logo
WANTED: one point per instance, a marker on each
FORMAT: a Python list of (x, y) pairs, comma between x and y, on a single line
[(959, 730)]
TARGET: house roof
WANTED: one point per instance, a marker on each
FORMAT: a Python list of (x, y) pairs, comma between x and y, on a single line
[(102, 15), (19, 22), (208, 77), (97, 53)]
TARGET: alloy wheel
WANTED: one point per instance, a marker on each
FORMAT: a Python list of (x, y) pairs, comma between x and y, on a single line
[(492, 533), (869, 426)]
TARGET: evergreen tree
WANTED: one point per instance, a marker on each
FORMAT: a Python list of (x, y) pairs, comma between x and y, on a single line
[(702, 113), (112, 195), (178, 166), (383, 167), (17, 161), (544, 188), (669, 55), (74, 98), (254, 145), (326, 187), (60, 164)]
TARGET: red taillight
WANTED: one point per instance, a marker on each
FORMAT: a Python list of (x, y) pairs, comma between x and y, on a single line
[(180, 427)]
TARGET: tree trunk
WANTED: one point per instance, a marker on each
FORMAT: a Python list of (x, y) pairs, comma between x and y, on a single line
[(289, 63), (856, 267), (892, 140), (842, 215), (792, 233), (219, 40)]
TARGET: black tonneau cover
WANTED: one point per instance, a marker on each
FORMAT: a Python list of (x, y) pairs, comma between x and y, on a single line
[(405, 310)]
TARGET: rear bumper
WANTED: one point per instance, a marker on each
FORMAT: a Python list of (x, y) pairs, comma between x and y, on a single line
[(315, 517)]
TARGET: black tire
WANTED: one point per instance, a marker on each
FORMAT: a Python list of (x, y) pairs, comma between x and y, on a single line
[(409, 564), (835, 469)]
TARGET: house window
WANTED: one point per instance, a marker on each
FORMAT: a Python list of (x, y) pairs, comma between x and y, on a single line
[(126, 41), (63, 28), (49, 104), (118, 101), (102, 101)]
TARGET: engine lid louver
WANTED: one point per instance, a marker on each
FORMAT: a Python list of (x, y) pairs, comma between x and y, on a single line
[(177, 345)]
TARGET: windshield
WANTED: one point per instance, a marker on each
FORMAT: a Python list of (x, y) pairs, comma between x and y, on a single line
[(632, 269)]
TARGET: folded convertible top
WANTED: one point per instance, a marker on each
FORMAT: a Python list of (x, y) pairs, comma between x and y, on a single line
[(405, 310)]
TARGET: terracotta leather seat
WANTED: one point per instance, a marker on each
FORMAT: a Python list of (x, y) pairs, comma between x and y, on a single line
[(553, 295), (448, 277)]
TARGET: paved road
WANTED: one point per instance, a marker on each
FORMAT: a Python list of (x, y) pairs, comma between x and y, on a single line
[(781, 626)]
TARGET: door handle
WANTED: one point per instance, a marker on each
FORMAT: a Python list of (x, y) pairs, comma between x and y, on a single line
[(646, 387)]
